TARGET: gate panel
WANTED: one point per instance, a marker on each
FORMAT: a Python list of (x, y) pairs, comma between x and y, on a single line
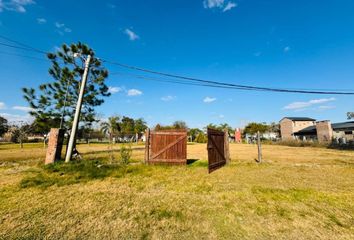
[(168, 146), (216, 149)]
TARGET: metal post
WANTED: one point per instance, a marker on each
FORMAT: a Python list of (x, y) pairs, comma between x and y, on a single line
[(259, 147), (77, 111)]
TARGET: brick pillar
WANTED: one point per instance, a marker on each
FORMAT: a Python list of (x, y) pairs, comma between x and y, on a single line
[(55, 145), (324, 131)]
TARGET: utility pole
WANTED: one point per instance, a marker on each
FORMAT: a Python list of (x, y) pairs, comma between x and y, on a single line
[(77, 111)]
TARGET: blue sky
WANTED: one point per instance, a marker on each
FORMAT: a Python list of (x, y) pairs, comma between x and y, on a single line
[(274, 43)]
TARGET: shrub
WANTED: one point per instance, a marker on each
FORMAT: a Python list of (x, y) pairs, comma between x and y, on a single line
[(125, 154)]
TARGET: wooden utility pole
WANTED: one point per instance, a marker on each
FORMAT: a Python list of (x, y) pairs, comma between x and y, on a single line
[(226, 146), (147, 145), (259, 145)]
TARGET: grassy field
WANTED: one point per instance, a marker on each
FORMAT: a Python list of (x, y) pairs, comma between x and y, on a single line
[(297, 193)]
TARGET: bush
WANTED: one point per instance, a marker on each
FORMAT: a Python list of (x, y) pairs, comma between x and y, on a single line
[(125, 154)]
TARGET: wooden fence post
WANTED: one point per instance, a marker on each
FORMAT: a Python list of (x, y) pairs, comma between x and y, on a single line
[(259, 145), (147, 145), (226, 146)]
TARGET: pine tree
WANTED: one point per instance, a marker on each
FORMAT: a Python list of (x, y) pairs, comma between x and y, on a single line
[(66, 70)]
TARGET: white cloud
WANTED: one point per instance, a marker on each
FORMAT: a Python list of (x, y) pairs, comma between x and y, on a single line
[(114, 90), (2, 105), (213, 3), (304, 105), (287, 49), (15, 5), (221, 4), (17, 118), (209, 99), (221, 116), (132, 35), (134, 92), (229, 6), (61, 28), (168, 98), (22, 108), (41, 20), (59, 25)]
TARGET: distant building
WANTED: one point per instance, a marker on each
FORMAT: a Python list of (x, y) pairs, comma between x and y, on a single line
[(238, 135), (291, 125), (322, 131)]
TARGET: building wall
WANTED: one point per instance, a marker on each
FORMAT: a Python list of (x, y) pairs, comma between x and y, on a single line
[(288, 127), (324, 131)]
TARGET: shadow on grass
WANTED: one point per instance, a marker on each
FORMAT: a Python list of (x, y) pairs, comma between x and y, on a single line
[(197, 163), (61, 173)]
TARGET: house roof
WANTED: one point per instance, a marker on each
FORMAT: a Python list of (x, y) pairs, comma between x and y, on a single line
[(299, 119), (343, 126), (308, 130)]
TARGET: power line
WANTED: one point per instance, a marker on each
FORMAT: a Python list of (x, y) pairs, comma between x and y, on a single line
[(190, 79), (197, 84), (25, 46), (24, 56), (181, 82), (284, 90)]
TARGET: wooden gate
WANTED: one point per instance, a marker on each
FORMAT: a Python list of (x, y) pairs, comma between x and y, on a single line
[(218, 149), (166, 146)]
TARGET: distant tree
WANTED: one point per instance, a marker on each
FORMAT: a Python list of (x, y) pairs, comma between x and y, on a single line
[(43, 125), (350, 115), (140, 125), (66, 71), (275, 128), (220, 127), (111, 127), (175, 125), (127, 125), (4, 127), (20, 132), (193, 133), (201, 138), (226, 126), (180, 125), (211, 126), (253, 128)]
